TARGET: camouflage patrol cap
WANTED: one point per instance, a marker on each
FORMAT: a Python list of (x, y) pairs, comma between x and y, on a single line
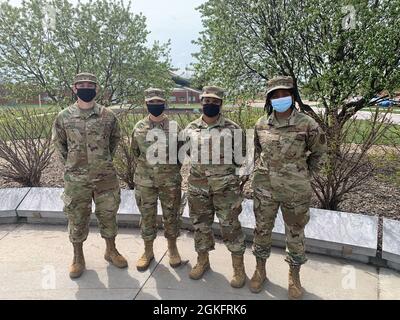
[(85, 77), (154, 94), (279, 82), (212, 92)]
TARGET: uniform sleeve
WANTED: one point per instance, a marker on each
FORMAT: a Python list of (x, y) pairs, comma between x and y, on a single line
[(59, 138), (115, 137), (134, 146), (243, 161), (242, 158), (257, 145), (316, 144)]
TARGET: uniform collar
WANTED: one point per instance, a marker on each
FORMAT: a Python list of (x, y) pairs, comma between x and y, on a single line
[(204, 125), (163, 123), (273, 121), (82, 113)]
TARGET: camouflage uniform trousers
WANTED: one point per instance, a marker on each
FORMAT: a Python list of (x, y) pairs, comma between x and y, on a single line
[(170, 198), (79, 190), (206, 197), (296, 214)]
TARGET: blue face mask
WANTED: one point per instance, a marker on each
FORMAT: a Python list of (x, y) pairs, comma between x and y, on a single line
[(282, 104)]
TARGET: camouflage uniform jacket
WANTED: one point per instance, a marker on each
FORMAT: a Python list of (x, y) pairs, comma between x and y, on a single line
[(151, 174), (87, 139), (201, 168), (287, 151)]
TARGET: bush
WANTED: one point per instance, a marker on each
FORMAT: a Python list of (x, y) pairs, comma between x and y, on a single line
[(123, 159), (25, 144), (245, 116)]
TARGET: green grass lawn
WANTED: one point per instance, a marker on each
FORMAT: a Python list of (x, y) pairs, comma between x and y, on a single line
[(361, 128), (20, 106), (247, 118), (184, 106), (36, 107), (395, 110)]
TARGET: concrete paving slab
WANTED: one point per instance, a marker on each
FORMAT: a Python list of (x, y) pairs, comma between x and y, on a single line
[(337, 278), (71, 294), (169, 283), (322, 277), (389, 284), (5, 229), (35, 260)]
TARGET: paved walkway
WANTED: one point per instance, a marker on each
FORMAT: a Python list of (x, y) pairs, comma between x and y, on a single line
[(34, 261)]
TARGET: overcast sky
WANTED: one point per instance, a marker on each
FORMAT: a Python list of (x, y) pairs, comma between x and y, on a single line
[(177, 20)]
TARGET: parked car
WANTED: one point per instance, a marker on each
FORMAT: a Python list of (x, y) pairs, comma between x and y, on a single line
[(386, 102)]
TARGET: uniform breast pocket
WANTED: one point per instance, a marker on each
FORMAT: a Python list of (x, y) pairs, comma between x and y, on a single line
[(106, 129), (75, 134), (294, 145), (269, 141)]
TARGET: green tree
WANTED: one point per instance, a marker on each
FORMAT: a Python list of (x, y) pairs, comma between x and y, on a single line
[(45, 43), (336, 50)]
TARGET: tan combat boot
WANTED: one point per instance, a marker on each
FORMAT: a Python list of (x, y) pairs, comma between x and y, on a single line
[(144, 262), (259, 276), (203, 264), (112, 255), (78, 263), (174, 257), (239, 275), (295, 289)]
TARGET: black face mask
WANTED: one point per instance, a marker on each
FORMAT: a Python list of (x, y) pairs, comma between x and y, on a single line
[(211, 109), (86, 94), (156, 109)]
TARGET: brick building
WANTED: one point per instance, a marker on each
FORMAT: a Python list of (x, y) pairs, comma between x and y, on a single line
[(184, 95)]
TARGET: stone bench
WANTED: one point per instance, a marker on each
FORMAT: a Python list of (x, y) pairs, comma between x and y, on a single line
[(10, 199), (391, 243), (341, 234), (44, 205)]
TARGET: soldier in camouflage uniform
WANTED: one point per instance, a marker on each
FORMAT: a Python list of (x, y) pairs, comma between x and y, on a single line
[(87, 134), (288, 148), (157, 180), (214, 188)]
